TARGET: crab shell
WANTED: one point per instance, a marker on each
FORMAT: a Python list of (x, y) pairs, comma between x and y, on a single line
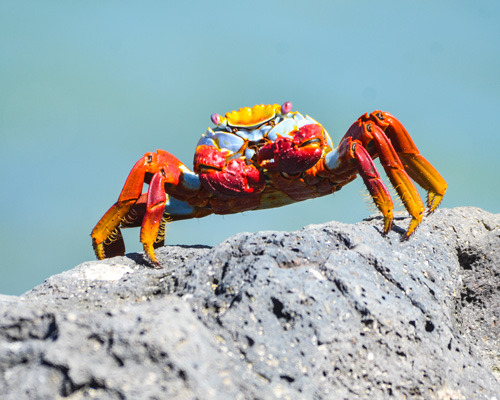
[(234, 158)]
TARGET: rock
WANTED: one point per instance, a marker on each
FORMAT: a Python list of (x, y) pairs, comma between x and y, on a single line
[(332, 311)]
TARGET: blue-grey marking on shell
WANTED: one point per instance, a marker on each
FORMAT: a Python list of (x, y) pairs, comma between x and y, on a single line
[(254, 135), (235, 141), (177, 207), (221, 140), (249, 153), (332, 159), (191, 180)]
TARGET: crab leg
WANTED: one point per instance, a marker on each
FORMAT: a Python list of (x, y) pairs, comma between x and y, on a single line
[(155, 206), (384, 136), (376, 187), (397, 175), (420, 170), (106, 236)]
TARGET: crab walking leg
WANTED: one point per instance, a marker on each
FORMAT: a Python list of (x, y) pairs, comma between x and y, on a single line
[(419, 169), (427, 177), (376, 187), (106, 236), (106, 232), (367, 131), (155, 206), (398, 176)]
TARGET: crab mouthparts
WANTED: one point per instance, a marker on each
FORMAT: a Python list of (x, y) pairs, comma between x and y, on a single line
[(206, 168), (268, 162), (315, 143)]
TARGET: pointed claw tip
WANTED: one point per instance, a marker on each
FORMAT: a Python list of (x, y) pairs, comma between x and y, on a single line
[(155, 264), (151, 256), (387, 226), (405, 237), (411, 229), (98, 249), (153, 261), (433, 202)]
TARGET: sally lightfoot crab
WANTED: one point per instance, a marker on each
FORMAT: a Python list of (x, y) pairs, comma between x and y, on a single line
[(263, 157)]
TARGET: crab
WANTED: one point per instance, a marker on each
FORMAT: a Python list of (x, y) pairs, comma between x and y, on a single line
[(262, 157)]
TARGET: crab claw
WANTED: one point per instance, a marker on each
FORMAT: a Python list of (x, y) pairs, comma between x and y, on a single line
[(233, 179), (132, 207), (296, 154)]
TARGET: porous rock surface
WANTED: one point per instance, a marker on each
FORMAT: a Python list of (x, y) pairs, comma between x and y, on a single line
[(332, 311)]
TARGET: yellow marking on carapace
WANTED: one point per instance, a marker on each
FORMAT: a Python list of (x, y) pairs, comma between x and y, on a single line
[(258, 114)]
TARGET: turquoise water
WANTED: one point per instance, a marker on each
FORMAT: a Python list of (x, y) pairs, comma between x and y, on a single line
[(87, 88)]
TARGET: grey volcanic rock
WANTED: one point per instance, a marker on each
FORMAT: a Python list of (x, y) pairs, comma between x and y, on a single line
[(332, 311)]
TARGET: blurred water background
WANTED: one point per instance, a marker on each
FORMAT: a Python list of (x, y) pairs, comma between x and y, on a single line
[(86, 88)]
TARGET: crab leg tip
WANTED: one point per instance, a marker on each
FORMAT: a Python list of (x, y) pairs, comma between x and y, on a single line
[(151, 256), (414, 223), (387, 224), (99, 250), (433, 201)]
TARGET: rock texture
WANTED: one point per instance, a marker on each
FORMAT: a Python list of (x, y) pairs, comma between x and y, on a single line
[(332, 311)]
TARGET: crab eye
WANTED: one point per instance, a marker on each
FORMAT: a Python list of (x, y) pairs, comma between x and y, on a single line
[(216, 119), (286, 107)]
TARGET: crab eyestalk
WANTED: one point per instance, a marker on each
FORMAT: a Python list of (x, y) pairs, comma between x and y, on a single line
[(286, 107), (218, 120)]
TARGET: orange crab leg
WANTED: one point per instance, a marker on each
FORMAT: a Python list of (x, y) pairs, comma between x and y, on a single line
[(398, 177), (370, 135), (376, 187), (427, 177), (106, 236), (420, 170), (152, 220)]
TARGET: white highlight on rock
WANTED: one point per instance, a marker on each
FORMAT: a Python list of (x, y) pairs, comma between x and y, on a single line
[(105, 272)]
